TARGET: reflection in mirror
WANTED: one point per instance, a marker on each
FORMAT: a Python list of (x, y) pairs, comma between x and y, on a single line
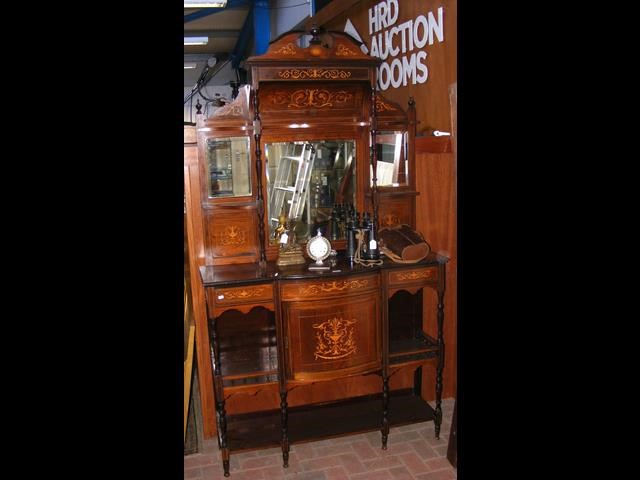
[(392, 167), (312, 183), (228, 163)]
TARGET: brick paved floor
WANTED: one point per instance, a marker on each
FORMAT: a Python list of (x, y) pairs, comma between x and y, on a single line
[(413, 453)]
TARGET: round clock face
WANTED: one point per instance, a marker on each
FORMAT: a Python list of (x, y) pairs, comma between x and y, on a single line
[(318, 247)]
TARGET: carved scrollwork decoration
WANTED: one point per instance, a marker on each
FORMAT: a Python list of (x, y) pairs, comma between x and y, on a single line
[(335, 339)]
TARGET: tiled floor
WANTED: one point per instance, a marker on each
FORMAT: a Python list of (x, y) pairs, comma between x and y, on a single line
[(412, 453)]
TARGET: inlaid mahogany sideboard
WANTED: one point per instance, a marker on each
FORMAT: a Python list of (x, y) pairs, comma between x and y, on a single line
[(312, 141), (282, 328)]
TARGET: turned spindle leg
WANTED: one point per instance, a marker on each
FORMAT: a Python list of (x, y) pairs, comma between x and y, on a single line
[(222, 436), (385, 411), (285, 437)]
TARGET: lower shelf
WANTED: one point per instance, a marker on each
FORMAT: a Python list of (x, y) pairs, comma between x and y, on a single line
[(310, 422)]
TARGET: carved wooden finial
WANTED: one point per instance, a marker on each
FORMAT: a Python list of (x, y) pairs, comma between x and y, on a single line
[(198, 107), (315, 44)]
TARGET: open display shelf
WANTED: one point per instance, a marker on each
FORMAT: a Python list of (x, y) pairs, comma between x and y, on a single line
[(310, 422)]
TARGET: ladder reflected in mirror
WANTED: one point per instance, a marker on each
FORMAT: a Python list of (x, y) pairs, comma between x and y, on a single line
[(290, 191)]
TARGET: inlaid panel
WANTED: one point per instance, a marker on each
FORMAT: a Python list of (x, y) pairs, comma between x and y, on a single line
[(236, 295), (231, 236), (413, 276), (332, 339), (328, 288), (321, 98), (396, 210), (325, 74)]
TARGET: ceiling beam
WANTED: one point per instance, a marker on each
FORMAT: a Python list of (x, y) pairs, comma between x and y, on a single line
[(243, 39), (261, 26), (328, 13), (203, 12)]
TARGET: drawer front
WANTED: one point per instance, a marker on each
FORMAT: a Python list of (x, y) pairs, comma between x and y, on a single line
[(329, 288), (333, 339), (413, 276), (246, 294)]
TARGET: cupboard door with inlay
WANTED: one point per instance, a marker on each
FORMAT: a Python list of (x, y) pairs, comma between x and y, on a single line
[(333, 338)]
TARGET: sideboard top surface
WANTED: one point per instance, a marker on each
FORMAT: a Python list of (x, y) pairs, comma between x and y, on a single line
[(252, 273)]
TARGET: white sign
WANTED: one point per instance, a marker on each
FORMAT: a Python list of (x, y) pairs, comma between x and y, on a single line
[(401, 46)]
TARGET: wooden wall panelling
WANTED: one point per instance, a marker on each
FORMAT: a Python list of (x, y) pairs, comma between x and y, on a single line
[(432, 97), (436, 219), (195, 240)]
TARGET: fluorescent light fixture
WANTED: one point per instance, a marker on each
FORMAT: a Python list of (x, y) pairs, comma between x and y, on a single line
[(196, 40), (190, 65), (202, 4)]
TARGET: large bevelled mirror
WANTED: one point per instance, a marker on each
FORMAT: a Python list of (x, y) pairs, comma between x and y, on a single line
[(310, 183)]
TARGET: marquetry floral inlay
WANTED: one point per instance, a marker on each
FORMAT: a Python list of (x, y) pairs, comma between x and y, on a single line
[(314, 73), (415, 274), (229, 110), (288, 49), (381, 106), (390, 219), (315, 97), (242, 294), (335, 339), (342, 51), (335, 286), (231, 236)]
